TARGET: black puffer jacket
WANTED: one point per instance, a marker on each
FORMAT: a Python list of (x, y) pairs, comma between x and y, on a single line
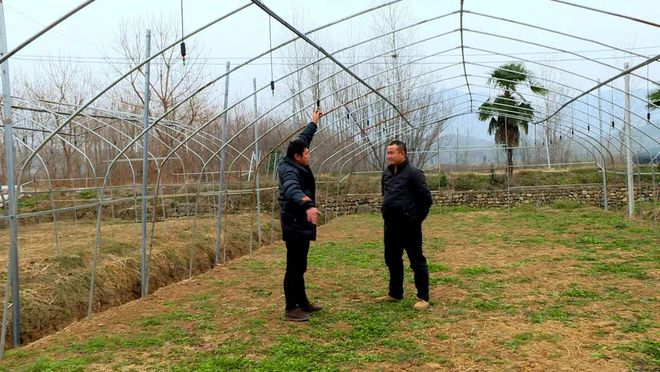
[(296, 182), (405, 194)]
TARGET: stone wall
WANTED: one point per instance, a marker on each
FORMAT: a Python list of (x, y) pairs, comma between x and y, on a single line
[(587, 195)]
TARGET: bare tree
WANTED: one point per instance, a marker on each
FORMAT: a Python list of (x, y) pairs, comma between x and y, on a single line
[(400, 78), (60, 84), (171, 79)]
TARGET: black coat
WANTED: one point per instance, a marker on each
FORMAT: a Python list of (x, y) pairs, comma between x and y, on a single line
[(295, 182), (405, 194)]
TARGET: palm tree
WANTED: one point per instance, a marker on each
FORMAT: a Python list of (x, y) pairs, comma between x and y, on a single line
[(654, 99), (509, 111)]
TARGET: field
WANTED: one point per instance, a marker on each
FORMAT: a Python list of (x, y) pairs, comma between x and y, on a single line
[(552, 288), (55, 285)]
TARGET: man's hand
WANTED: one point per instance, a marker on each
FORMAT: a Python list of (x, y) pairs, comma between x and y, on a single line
[(316, 117), (313, 215)]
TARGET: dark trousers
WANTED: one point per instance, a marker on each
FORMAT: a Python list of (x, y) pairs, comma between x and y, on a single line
[(294, 280), (403, 235)]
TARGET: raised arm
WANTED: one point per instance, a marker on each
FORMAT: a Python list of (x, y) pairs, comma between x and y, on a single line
[(308, 133)]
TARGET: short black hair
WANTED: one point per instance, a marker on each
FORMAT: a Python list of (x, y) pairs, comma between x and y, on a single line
[(296, 147), (399, 144)]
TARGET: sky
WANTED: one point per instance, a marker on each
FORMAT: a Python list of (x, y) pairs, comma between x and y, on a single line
[(89, 36)]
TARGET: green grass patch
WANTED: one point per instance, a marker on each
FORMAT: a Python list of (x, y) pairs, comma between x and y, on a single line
[(257, 266), (521, 339), (556, 312), (115, 248), (345, 254), (87, 194), (438, 267), (628, 269), (566, 204), (522, 263), (435, 244), (588, 240), (434, 279), (69, 262), (575, 293), (488, 305), (639, 323), (31, 201), (476, 270), (649, 351), (47, 364)]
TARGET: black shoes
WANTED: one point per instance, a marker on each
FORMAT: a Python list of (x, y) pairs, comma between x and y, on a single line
[(301, 313), (311, 308), (296, 315)]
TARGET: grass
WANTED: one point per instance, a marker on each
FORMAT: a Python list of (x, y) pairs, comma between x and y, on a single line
[(646, 351), (566, 204), (629, 269), (505, 300), (519, 340), (477, 270)]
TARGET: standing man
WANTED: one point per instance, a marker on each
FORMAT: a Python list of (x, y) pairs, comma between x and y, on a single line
[(406, 203), (298, 215)]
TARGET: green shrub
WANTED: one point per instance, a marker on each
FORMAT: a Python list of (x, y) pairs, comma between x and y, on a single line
[(472, 181), (87, 194), (566, 204), (437, 181)]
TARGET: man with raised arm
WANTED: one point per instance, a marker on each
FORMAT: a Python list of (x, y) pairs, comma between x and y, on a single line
[(299, 216)]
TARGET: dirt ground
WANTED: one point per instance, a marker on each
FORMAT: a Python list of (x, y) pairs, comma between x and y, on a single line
[(509, 291), (55, 274)]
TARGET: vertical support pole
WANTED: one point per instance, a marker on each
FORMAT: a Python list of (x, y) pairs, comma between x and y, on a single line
[(11, 186), (627, 131), (545, 132), (257, 157), (144, 270), (222, 173), (602, 158)]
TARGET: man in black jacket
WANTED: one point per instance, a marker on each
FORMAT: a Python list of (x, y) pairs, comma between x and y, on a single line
[(298, 215), (406, 203)]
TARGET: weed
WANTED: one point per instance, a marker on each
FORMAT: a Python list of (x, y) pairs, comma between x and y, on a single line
[(566, 204), (438, 267), (588, 240), (87, 194), (477, 270), (70, 262), (556, 312), (574, 292), (628, 269), (435, 244), (444, 280)]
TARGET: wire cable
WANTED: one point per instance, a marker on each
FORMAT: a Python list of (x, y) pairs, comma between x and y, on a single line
[(328, 55), (183, 43)]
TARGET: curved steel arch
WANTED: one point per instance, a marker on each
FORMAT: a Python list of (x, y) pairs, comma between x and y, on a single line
[(205, 152)]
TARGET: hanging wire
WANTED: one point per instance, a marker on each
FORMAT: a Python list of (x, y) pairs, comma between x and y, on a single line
[(572, 120), (612, 102), (270, 41), (588, 116), (183, 43), (648, 93)]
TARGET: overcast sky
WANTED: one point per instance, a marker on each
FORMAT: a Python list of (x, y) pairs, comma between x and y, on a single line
[(89, 35)]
